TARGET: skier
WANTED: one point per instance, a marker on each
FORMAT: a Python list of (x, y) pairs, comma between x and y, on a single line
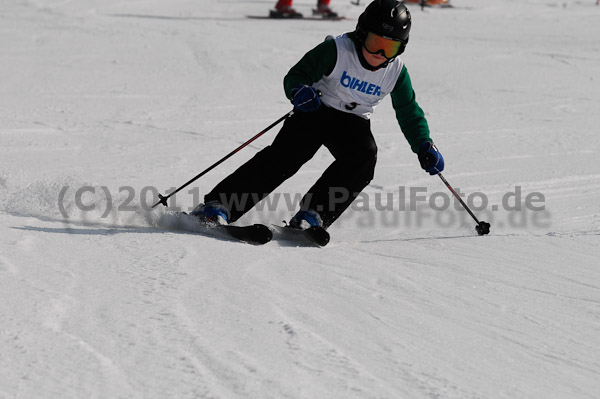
[(283, 9), (353, 72)]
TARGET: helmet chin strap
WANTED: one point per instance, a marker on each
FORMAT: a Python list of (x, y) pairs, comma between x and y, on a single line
[(384, 64)]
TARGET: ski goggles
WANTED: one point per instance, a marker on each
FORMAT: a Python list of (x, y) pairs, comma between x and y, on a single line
[(376, 44)]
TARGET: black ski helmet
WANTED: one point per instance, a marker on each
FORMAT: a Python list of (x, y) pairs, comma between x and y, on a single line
[(387, 18)]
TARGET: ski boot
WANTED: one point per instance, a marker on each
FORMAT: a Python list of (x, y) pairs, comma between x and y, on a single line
[(306, 219), (324, 12), (212, 213), (284, 12), (308, 224)]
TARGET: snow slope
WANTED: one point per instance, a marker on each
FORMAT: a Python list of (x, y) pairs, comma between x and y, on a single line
[(116, 97)]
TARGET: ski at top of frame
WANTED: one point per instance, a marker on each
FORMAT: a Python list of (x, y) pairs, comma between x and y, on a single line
[(307, 18)]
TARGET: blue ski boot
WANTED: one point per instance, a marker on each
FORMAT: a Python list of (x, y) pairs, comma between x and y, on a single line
[(212, 213), (305, 219), (306, 225)]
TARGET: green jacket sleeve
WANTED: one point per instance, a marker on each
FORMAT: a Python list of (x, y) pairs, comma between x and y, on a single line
[(409, 114), (315, 64)]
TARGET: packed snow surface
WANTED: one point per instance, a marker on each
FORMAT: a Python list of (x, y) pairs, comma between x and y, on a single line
[(104, 103)]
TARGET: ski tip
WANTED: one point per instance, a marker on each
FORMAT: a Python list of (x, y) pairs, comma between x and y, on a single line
[(264, 233), (312, 236), (319, 235)]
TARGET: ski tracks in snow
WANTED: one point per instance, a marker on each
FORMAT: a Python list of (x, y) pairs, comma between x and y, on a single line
[(536, 301)]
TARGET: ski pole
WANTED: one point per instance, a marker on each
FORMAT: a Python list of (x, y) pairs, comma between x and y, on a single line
[(163, 199), (482, 227)]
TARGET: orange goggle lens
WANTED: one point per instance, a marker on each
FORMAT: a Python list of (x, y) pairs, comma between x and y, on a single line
[(376, 44)]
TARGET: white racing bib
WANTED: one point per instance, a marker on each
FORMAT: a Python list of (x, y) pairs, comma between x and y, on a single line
[(352, 88)]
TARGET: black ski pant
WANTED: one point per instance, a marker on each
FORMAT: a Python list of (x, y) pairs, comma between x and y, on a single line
[(347, 136)]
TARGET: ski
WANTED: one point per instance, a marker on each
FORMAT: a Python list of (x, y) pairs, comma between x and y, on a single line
[(257, 234), (312, 236), (430, 3), (254, 234), (304, 18)]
